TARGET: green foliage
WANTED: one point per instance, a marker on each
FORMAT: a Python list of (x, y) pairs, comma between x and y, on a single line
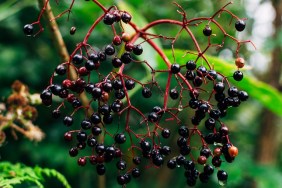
[(270, 97), (17, 174)]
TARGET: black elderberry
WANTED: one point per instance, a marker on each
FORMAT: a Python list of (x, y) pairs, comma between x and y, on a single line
[(238, 76), (190, 75), (165, 150), (76, 103), (117, 84), (145, 145), (136, 160), (68, 120), (107, 86), (28, 29), (121, 180), (222, 175), (120, 138), (194, 103), (216, 161), (146, 92), (189, 165), (153, 117), (77, 59), (240, 25), (46, 94), (215, 113), (108, 118), (81, 136), (109, 19), (104, 109), (173, 93), (208, 169), (96, 92), (86, 124), (137, 49), (175, 68), (121, 165), (90, 65), (117, 16), (135, 172), (180, 160), (183, 131), (96, 130), (212, 75), (243, 95), (205, 152), (165, 133), (56, 113), (232, 91), (201, 71), (129, 84), (197, 81), (95, 118), (223, 130), (204, 107), (210, 123), (126, 58), (219, 97), (61, 69), (91, 142), (207, 31), (171, 164), (127, 177), (191, 182), (219, 87), (125, 17), (102, 56), (94, 57), (185, 150), (109, 50), (56, 89), (158, 160), (236, 102), (209, 138), (158, 110), (181, 141), (116, 62), (73, 152), (191, 65), (101, 169), (119, 94), (100, 148), (195, 120)]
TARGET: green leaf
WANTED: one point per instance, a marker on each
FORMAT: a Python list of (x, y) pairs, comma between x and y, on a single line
[(268, 96)]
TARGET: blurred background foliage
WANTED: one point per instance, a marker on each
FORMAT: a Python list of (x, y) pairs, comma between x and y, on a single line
[(254, 130)]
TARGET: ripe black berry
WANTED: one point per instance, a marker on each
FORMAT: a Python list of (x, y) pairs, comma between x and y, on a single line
[(56, 113), (232, 91), (190, 75), (201, 71), (73, 152), (120, 138), (86, 124), (94, 57), (145, 145), (165, 150), (136, 160), (109, 19), (96, 92), (207, 30), (137, 49), (95, 118), (104, 109), (146, 92), (216, 161), (121, 165), (91, 142), (109, 50), (158, 160), (212, 75), (208, 169), (238, 75), (173, 93), (119, 94), (219, 87), (197, 81), (243, 95), (204, 178), (183, 131), (77, 59), (116, 62), (129, 84), (215, 113), (81, 136), (222, 175), (96, 130), (191, 65), (101, 169), (126, 58), (61, 69), (210, 123), (135, 172), (185, 150), (100, 148), (175, 68), (165, 133), (171, 164), (28, 29), (102, 56), (68, 120), (153, 117), (108, 118), (125, 17), (240, 25)]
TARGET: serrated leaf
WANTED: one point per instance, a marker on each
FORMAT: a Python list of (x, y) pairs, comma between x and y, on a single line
[(268, 96)]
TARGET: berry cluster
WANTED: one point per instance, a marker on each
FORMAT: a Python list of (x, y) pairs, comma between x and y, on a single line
[(114, 117)]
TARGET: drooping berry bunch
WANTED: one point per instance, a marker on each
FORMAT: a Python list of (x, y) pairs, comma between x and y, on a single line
[(117, 129)]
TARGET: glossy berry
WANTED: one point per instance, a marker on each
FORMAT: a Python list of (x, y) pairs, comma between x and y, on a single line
[(173, 93), (210, 123), (101, 169), (243, 95), (109, 50), (204, 178), (121, 180), (202, 159), (205, 152), (145, 145), (190, 75), (197, 81), (117, 40), (238, 75), (121, 165), (240, 25), (94, 57), (215, 113), (233, 151), (125, 17), (183, 131), (153, 117), (158, 160), (120, 138), (136, 160), (86, 124), (81, 136), (129, 84), (77, 59), (212, 75), (146, 92), (175, 68), (91, 142), (95, 118), (73, 152), (191, 65), (207, 30), (116, 62), (109, 19), (185, 150), (137, 49), (222, 175), (28, 29), (61, 69), (208, 169), (165, 133), (135, 172), (108, 118), (126, 58), (171, 164), (56, 114), (165, 150), (104, 109), (216, 161), (68, 121), (81, 161), (96, 130), (201, 71), (219, 87), (232, 91)]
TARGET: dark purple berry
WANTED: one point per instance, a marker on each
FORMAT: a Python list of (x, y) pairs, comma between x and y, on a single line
[(240, 25), (207, 31), (175, 68), (28, 29)]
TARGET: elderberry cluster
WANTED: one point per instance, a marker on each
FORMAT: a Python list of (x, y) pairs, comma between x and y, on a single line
[(158, 136)]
